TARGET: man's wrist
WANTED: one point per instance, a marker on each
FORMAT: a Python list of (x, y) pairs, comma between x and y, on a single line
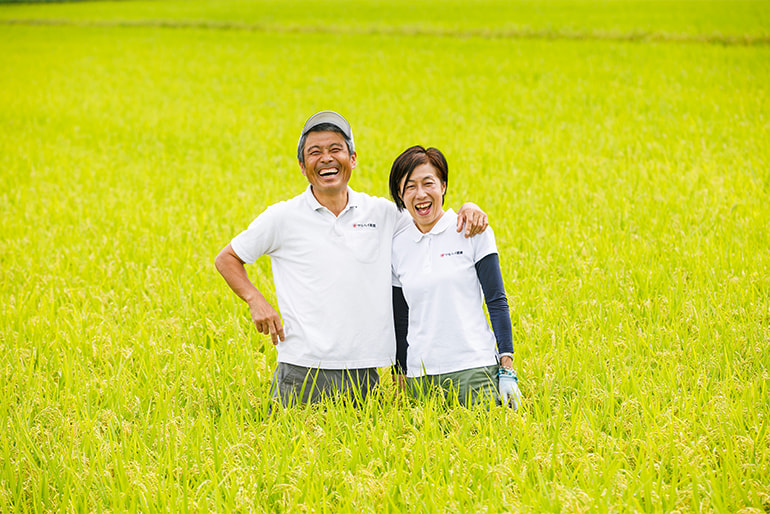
[(253, 298)]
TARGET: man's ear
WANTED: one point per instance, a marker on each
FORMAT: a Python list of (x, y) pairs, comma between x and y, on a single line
[(302, 168), (353, 161)]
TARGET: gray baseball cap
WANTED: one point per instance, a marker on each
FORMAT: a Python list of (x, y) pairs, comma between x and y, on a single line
[(332, 117)]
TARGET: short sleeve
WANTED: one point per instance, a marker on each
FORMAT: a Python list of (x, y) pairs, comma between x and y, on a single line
[(261, 238), (403, 220), (394, 279), (483, 244)]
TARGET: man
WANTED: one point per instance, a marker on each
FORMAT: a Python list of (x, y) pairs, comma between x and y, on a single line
[(330, 251)]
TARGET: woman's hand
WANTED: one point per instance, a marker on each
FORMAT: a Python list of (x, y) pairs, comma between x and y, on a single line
[(508, 385)]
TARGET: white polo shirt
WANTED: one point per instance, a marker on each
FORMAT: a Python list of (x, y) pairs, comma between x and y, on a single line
[(332, 278), (448, 330)]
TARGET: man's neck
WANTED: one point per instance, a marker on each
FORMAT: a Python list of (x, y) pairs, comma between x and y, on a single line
[(335, 202)]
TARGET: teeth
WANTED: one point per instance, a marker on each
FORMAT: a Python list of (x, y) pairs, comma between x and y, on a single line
[(327, 171)]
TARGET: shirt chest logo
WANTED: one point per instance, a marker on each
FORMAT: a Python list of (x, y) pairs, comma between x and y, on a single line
[(364, 226), (451, 254)]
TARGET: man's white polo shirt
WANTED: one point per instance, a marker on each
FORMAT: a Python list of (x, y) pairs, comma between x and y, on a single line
[(448, 330), (332, 278)]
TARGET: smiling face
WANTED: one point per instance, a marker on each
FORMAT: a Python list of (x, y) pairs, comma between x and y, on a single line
[(422, 193), (328, 163)]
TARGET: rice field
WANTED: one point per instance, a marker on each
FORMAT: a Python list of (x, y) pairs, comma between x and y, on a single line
[(620, 148)]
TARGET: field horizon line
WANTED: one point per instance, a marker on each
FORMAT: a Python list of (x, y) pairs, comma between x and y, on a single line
[(481, 33)]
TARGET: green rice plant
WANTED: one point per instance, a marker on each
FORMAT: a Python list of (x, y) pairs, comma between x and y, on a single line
[(732, 21), (626, 182)]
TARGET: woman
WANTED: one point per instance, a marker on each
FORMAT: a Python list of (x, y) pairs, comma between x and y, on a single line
[(442, 334)]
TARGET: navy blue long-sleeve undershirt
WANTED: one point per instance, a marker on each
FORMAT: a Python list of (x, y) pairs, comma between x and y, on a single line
[(488, 272)]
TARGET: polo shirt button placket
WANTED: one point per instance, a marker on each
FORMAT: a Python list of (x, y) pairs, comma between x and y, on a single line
[(337, 229), (428, 263)]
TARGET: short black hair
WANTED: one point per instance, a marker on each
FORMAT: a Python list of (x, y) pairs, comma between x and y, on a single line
[(405, 164), (322, 127)]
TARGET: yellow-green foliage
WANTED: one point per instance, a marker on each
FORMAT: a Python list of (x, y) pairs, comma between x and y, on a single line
[(619, 147)]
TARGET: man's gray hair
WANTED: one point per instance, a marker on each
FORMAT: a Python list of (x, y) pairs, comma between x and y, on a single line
[(322, 127)]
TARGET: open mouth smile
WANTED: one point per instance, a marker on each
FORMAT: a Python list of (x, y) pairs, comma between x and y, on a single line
[(423, 208), (328, 172)]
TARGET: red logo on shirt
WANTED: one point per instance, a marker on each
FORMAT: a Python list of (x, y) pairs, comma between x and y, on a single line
[(450, 254), (364, 225)]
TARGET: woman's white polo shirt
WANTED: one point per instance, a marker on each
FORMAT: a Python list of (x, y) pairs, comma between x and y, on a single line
[(448, 330)]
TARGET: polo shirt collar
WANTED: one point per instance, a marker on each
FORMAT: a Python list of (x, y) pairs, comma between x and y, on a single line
[(444, 223), (354, 200)]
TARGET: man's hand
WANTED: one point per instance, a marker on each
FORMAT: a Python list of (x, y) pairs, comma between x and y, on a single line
[(474, 219), (266, 319)]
